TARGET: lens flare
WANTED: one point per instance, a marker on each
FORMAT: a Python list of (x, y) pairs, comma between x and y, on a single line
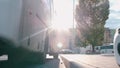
[(59, 45)]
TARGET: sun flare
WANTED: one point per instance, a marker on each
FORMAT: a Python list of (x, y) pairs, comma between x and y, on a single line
[(62, 15), (59, 45), (60, 24)]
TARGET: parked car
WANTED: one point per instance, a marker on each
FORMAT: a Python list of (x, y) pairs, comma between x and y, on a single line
[(66, 51)]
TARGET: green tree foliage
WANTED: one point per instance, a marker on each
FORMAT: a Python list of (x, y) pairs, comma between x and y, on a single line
[(91, 16)]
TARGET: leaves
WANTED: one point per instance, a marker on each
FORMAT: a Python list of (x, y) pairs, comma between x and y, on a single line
[(91, 16)]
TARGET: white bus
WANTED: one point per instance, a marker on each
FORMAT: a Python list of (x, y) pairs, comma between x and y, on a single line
[(106, 49)]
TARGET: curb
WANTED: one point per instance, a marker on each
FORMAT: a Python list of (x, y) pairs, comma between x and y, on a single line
[(73, 64), (69, 64)]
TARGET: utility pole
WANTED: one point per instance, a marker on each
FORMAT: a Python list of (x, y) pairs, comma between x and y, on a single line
[(73, 30)]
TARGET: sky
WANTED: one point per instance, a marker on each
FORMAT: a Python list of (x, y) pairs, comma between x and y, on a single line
[(63, 13), (61, 16), (113, 21)]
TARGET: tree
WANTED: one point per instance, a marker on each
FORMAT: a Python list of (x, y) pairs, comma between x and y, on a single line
[(91, 16), (80, 42)]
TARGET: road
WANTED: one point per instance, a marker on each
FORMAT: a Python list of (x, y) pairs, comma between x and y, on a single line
[(90, 61), (50, 63), (77, 61)]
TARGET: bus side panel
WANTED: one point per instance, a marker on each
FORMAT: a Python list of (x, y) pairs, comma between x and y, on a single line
[(10, 12), (34, 23)]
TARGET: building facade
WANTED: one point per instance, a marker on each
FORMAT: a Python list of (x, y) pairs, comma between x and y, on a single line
[(108, 35)]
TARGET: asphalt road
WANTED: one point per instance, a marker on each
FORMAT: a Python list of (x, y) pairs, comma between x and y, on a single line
[(76, 61), (50, 63)]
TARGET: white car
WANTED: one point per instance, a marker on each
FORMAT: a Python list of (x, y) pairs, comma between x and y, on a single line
[(66, 51)]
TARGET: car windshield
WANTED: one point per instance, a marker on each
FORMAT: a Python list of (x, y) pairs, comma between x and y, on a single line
[(59, 33)]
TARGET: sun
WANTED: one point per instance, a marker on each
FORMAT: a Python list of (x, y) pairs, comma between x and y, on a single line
[(59, 45)]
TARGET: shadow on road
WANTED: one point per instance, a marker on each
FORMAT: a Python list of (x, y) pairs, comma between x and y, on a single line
[(50, 63)]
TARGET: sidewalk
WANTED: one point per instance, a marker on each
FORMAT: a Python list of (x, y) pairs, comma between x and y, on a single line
[(89, 61)]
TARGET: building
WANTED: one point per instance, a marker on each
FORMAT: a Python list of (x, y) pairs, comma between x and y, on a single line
[(108, 35)]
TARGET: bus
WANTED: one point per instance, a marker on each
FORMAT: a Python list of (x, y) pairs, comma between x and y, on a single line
[(107, 49), (25, 23)]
